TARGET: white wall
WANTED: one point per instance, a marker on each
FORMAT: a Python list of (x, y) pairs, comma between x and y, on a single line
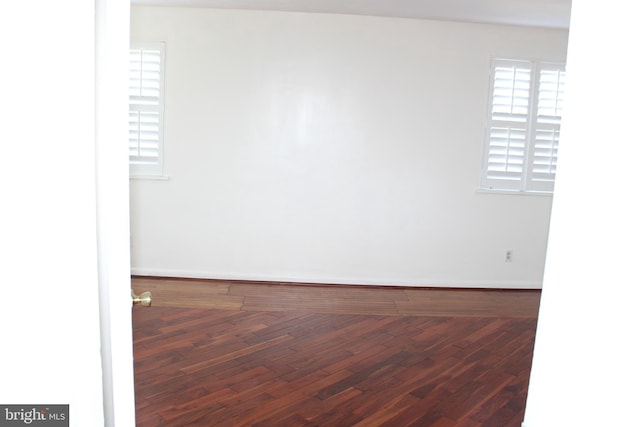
[(585, 364), (332, 148)]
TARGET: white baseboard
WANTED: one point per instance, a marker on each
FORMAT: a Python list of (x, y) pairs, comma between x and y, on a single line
[(484, 284)]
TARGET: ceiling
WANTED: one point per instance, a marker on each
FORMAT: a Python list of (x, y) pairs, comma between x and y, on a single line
[(538, 13)]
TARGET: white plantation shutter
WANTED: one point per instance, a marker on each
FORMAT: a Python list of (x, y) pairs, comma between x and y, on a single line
[(146, 107), (523, 126), (509, 115), (547, 129)]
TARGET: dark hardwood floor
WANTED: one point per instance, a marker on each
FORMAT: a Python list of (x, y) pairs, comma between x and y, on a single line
[(215, 353)]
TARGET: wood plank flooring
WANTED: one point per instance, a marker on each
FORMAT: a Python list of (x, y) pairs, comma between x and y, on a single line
[(265, 296), (215, 353)]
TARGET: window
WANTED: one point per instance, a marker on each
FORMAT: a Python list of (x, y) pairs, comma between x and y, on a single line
[(523, 126), (146, 75)]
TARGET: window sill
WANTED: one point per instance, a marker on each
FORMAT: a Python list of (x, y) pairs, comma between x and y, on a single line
[(514, 192), (149, 177)]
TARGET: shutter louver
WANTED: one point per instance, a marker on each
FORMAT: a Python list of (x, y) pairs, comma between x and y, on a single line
[(144, 131), (551, 96), (144, 77), (506, 152), (545, 154), (511, 94), (145, 107)]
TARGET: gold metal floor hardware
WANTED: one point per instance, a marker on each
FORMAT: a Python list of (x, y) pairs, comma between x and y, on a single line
[(143, 299)]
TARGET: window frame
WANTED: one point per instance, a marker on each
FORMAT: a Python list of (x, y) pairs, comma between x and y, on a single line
[(525, 182), (154, 170)]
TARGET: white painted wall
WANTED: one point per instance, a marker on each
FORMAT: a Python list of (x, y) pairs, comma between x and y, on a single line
[(585, 364), (332, 148)]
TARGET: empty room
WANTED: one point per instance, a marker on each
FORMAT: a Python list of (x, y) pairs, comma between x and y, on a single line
[(324, 214), (341, 215)]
